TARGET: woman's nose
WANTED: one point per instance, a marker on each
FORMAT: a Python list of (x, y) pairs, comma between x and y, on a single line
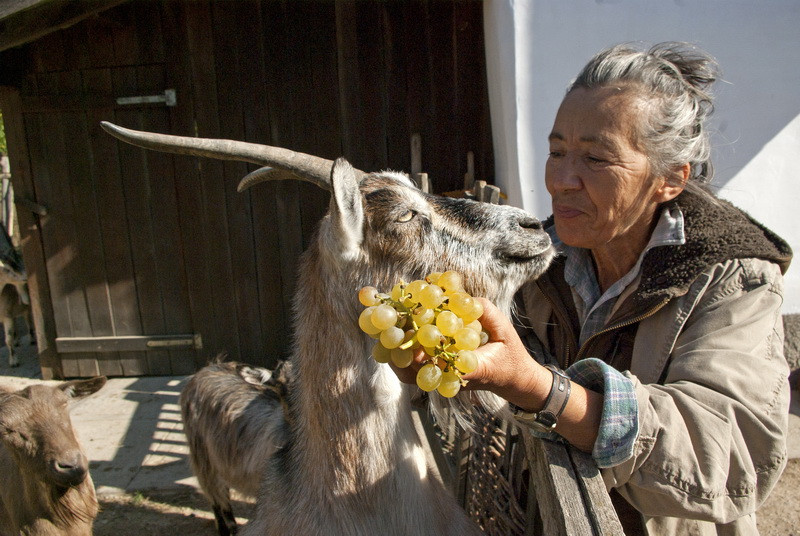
[(562, 174)]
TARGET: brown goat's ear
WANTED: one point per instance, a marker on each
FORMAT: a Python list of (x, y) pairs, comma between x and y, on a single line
[(346, 209), (82, 388)]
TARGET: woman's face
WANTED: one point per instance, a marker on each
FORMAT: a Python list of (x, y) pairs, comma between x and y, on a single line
[(600, 184)]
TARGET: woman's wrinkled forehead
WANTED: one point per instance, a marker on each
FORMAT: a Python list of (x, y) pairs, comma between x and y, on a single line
[(599, 115)]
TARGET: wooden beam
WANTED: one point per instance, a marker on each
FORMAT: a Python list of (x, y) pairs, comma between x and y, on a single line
[(128, 343), (23, 21)]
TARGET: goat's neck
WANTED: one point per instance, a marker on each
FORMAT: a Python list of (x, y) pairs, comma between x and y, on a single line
[(350, 411)]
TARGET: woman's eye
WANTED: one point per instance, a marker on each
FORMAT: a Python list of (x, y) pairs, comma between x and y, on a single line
[(554, 154), (406, 217), (596, 160)]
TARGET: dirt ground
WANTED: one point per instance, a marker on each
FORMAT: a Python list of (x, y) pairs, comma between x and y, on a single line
[(188, 513), (176, 513)]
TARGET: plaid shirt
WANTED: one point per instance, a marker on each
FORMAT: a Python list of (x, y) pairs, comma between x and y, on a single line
[(619, 425)]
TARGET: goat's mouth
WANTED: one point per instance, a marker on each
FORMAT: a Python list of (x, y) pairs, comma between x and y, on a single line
[(542, 251)]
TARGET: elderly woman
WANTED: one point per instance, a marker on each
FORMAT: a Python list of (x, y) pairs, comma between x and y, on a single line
[(660, 318)]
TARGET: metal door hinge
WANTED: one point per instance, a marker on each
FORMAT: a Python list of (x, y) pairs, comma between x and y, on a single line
[(169, 98)]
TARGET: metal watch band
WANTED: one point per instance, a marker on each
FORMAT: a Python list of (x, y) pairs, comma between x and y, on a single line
[(554, 405)]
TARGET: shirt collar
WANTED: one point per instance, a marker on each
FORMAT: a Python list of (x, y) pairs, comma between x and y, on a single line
[(579, 269)]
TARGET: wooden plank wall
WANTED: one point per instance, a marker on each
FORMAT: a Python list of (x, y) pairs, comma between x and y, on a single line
[(140, 243)]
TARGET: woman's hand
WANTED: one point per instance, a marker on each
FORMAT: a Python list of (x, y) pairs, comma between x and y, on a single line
[(506, 369), (504, 365)]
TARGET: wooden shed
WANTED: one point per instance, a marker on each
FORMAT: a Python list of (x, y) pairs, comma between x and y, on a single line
[(147, 264)]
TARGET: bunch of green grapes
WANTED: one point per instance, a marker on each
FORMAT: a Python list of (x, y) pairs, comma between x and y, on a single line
[(434, 313)]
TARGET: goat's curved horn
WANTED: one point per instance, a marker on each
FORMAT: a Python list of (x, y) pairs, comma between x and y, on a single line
[(300, 165), (264, 174)]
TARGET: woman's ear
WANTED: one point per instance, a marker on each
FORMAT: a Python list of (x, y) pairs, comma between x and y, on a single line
[(670, 189)]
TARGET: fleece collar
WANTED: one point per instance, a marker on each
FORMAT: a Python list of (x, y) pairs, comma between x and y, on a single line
[(715, 232)]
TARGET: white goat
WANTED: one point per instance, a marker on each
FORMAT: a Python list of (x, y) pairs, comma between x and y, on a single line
[(232, 418), (46, 487), (352, 463), (14, 299)]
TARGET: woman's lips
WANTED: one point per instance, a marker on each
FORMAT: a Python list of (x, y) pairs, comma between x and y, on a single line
[(564, 211)]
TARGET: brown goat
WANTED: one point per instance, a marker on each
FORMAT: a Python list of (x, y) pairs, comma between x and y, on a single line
[(47, 489), (352, 463)]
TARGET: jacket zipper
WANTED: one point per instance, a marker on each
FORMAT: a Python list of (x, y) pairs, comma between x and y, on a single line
[(568, 346), (634, 320)]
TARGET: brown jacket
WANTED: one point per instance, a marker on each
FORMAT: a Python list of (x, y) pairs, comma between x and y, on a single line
[(700, 334)]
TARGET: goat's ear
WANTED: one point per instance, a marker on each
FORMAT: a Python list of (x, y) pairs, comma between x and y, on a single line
[(81, 388), (346, 210)]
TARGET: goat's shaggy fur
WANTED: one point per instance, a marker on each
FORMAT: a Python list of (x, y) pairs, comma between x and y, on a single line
[(233, 421)]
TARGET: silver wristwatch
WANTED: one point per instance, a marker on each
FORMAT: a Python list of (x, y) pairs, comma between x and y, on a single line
[(545, 419)]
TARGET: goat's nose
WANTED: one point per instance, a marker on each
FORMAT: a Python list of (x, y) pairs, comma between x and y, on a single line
[(69, 470), (530, 223)]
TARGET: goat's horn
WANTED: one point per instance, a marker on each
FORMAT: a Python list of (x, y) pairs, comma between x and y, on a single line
[(301, 166), (267, 173)]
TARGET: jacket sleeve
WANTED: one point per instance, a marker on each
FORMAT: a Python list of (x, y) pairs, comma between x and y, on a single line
[(712, 435)]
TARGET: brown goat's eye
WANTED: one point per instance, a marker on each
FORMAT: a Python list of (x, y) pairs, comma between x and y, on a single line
[(407, 216)]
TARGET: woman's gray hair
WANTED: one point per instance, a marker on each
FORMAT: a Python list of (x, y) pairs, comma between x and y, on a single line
[(674, 80)]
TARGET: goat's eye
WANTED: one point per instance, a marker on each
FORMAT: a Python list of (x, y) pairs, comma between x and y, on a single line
[(407, 216)]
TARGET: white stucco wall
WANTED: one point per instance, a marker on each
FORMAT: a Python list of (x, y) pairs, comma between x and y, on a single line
[(535, 47)]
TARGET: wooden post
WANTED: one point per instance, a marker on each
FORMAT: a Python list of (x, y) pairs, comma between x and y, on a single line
[(469, 176), (416, 154), (30, 235), (570, 493)]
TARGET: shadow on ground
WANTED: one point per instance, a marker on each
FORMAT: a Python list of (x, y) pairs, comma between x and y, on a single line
[(161, 513)]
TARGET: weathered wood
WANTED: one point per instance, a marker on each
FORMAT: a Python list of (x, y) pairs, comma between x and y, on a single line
[(31, 235), (130, 343), (27, 20), (169, 246), (555, 484), (184, 27), (598, 502)]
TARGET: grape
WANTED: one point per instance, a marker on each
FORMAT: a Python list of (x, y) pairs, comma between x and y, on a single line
[(431, 296), (450, 384), (429, 335), (397, 291), (414, 288), (433, 278), (402, 358), (460, 303), (392, 337), (380, 353), (450, 280), (475, 312), (484, 338), (423, 316), (384, 316), (367, 296), (448, 323), (475, 325), (465, 339), (365, 322), (429, 377), (466, 361)]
